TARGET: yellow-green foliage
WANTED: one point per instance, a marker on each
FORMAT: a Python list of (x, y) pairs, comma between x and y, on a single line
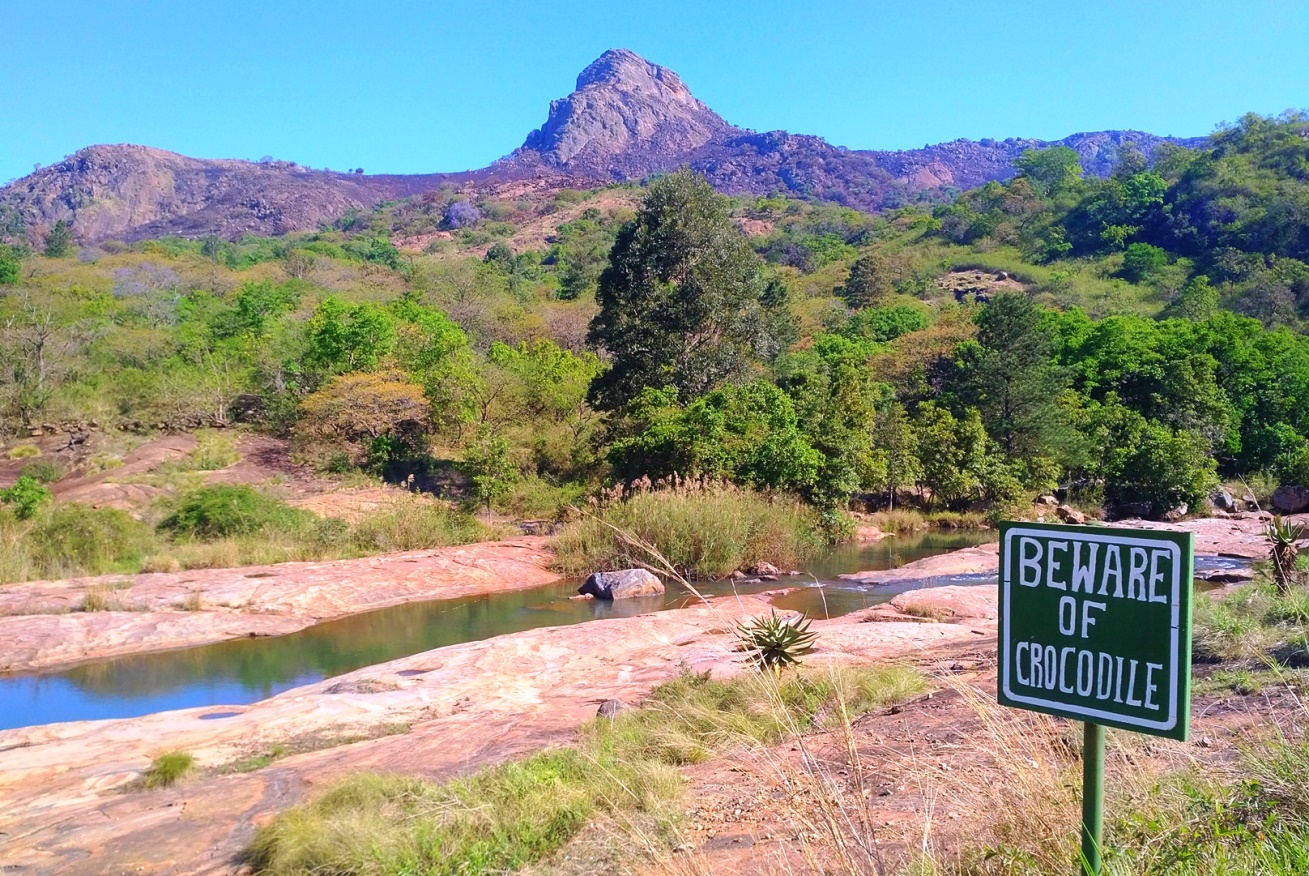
[(703, 534), (24, 451)]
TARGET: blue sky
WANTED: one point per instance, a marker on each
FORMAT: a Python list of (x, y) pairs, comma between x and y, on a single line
[(412, 87)]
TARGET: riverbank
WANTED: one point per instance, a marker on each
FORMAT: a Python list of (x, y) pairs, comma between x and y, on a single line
[(436, 714), (44, 624)]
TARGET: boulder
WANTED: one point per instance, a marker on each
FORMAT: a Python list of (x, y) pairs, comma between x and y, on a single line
[(1222, 500), (1177, 513), (762, 569), (1250, 502), (1290, 499), (622, 584), (1069, 514), (1046, 501)]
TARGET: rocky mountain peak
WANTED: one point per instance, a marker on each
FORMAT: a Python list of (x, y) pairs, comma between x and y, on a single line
[(626, 118)]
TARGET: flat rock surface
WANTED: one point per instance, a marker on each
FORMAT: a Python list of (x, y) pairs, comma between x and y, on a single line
[(968, 561), (66, 803), (41, 626)]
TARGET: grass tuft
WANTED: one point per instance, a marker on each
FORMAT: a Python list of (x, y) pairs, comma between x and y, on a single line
[(166, 769)]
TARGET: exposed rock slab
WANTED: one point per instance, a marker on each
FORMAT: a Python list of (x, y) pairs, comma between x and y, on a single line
[(62, 809), (968, 561), (41, 626)]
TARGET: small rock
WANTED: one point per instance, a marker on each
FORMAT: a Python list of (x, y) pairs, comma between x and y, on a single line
[(737, 575), (1291, 499), (1046, 501), (611, 708), (1226, 576), (1069, 514), (1177, 513), (622, 584), (1250, 502), (762, 569), (767, 577)]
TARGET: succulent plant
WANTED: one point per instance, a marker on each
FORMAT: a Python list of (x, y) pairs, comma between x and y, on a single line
[(1283, 535), (774, 642)]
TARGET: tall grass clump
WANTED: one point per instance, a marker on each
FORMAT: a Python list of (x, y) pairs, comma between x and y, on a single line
[(413, 523), (511, 815), (703, 533), (167, 768)]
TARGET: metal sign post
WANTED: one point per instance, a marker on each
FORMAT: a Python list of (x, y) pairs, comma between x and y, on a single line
[(1095, 625)]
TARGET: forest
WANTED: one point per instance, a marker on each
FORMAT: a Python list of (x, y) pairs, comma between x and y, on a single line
[(1130, 342)]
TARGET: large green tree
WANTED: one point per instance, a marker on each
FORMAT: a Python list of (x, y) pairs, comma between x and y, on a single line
[(1008, 375), (680, 302)]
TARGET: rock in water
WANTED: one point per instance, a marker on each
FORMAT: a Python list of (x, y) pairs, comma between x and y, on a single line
[(1291, 500), (622, 584)]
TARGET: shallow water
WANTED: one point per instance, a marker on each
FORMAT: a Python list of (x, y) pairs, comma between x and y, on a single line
[(243, 671)]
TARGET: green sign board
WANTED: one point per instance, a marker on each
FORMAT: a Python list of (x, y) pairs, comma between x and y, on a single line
[(1095, 625)]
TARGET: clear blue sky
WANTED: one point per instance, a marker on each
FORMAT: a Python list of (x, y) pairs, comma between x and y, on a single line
[(427, 86)]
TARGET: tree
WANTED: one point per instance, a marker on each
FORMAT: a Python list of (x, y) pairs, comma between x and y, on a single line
[(58, 239), (1008, 376), (1050, 170), (361, 410), (869, 281), (895, 441), (345, 337), (10, 265), (1142, 261), (492, 472), (680, 300)]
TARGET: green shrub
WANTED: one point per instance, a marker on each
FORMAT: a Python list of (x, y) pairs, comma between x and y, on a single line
[(24, 451), (26, 496), (703, 534), (167, 768), (75, 539), (226, 510)]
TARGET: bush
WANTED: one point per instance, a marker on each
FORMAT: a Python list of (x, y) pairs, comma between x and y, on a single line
[(26, 495), (225, 510), (75, 539), (24, 451), (703, 534)]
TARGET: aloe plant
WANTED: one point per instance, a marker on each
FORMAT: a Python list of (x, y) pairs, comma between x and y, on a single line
[(1283, 535), (775, 642)]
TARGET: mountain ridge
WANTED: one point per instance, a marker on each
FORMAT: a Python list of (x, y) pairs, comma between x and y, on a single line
[(627, 118)]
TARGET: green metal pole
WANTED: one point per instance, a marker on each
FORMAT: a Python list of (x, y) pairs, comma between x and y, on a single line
[(1092, 797)]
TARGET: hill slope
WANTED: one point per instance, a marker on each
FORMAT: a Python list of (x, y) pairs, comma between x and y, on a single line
[(627, 118)]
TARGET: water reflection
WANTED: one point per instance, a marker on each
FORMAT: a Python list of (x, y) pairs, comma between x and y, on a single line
[(247, 670)]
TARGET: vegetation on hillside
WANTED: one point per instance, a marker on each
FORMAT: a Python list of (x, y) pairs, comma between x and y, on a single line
[(1144, 339)]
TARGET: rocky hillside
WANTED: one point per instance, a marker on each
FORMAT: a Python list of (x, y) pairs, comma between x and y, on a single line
[(627, 118)]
